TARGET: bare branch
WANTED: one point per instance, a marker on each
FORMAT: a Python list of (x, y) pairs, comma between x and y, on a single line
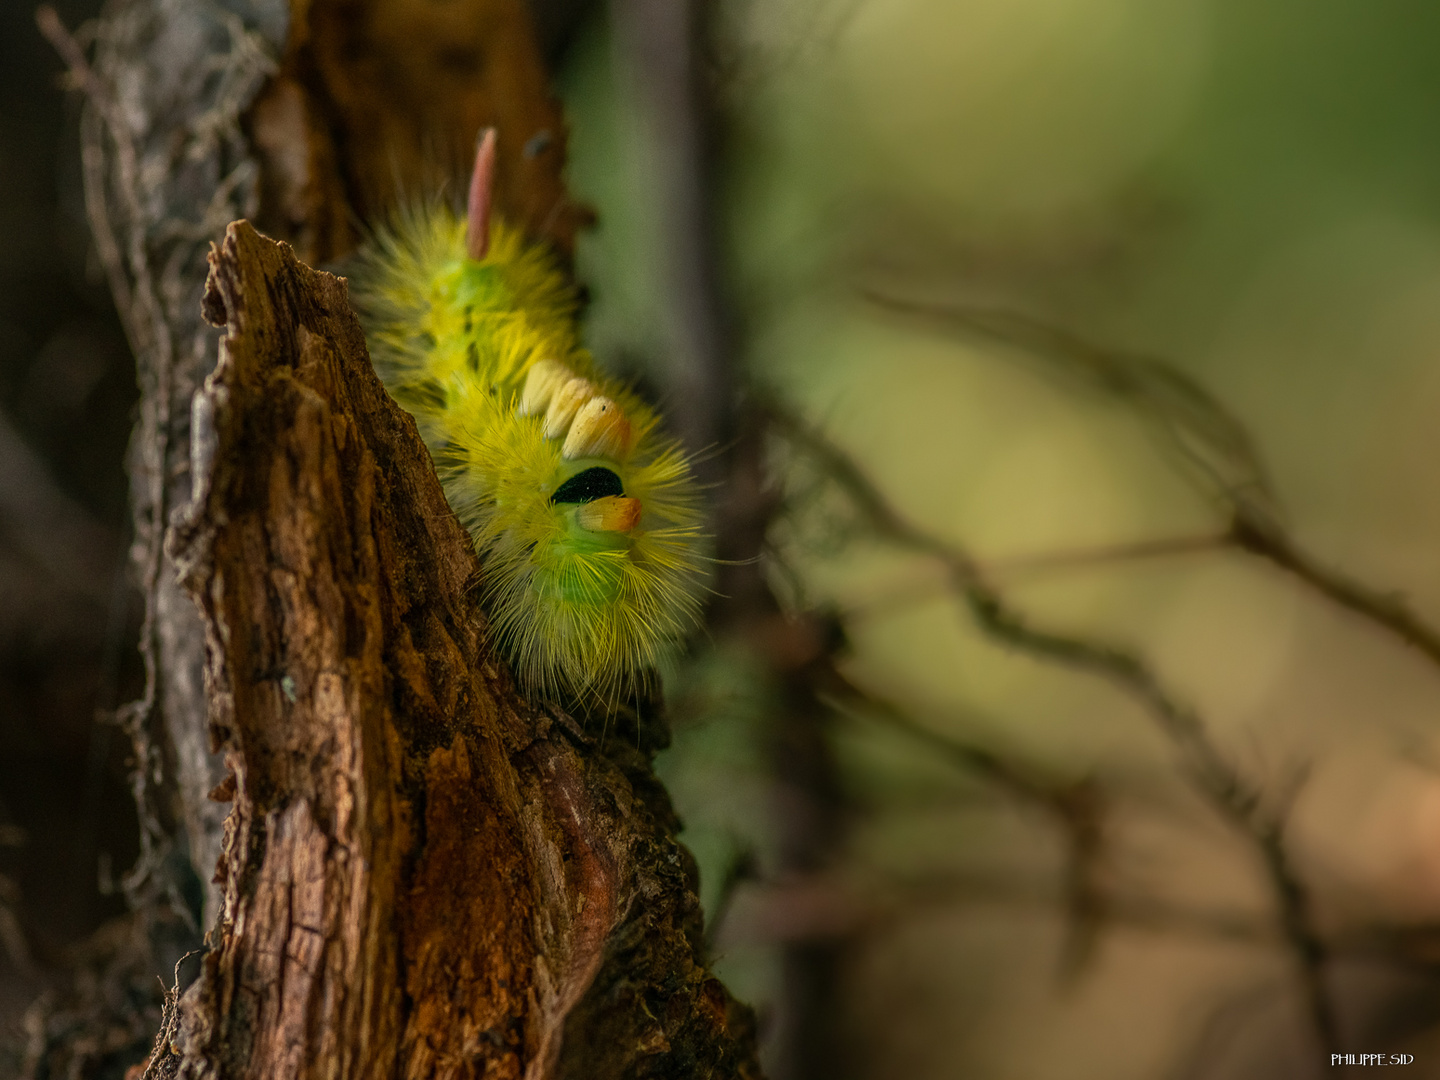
[(1233, 794), (1386, 610), (1055, 562), (1213, 442)]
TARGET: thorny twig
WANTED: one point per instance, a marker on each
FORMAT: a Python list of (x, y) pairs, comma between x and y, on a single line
[(1228, 789)]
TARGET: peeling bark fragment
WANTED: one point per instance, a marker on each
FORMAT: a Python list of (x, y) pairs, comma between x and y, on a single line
[(423, 875)]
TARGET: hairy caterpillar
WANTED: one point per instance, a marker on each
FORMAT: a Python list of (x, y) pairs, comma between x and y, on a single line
[(586, 516)]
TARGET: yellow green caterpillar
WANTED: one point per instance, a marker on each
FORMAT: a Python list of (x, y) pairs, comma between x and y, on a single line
[(586, 517)]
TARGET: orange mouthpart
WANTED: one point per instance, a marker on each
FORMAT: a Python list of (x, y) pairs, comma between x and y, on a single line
[(613, 513)]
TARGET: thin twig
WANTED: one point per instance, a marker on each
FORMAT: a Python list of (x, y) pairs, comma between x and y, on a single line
[(1387, 610), (163, 1052), (920, 588), (1055, 562), (1230, 791)]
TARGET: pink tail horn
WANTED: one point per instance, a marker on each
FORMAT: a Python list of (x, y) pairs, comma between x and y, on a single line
[(482, 187)]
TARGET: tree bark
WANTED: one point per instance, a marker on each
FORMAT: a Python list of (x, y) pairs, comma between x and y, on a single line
[(423, 874), (308, 117), (420, 875)]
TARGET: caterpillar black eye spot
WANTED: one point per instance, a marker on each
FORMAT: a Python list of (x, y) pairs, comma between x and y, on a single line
[(589, 485)]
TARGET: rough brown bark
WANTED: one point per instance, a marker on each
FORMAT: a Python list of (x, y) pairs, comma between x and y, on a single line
[(423, 875), (310, 116), (420, 874)]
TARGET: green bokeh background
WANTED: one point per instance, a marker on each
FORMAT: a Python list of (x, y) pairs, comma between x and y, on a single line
[(1249, 189)]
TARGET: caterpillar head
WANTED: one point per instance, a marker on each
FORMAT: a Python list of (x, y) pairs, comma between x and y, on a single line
[(592, 538)]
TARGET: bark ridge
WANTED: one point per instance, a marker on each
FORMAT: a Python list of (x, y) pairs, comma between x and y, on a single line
[(423, 875)]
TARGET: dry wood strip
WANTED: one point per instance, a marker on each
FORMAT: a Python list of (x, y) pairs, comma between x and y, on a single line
[(423, 876)]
